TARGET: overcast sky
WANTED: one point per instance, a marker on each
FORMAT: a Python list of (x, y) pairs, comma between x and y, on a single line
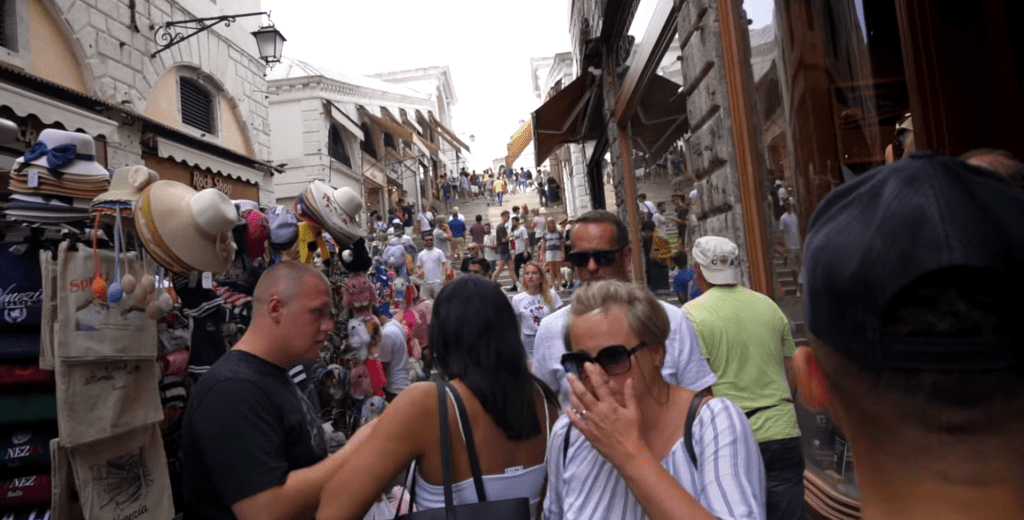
[(487, 45)]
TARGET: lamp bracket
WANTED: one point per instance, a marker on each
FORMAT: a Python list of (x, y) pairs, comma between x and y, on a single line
[(176, 31)]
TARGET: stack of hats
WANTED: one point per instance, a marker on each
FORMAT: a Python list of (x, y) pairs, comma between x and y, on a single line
[(56, 179), (334, 210), (185, 230), (284, 227)]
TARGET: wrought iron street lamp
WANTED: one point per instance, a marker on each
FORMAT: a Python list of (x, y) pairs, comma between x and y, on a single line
[(269, 40)]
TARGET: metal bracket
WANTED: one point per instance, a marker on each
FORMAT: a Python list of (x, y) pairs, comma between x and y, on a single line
[(174, 32)]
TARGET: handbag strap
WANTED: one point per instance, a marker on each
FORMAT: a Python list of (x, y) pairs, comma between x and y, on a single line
[(691, 415), (446, 456), (467, 434)]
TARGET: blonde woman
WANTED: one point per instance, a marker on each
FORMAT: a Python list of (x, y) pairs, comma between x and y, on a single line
[(536, 301), (552, 247)]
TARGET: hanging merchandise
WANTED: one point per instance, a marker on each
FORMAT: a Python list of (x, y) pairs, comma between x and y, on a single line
[(124, 476), (186, 230)]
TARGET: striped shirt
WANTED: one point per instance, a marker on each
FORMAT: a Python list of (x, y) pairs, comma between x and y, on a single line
[(729, 480)]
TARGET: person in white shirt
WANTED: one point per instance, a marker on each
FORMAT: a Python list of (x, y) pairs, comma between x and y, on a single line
[(783, 194), (536, 301), (455, 210), (442, 235), (432, 266), (490, 246), (660, 222), (393, 354), (791, 231), (426, 221), (520, 241)]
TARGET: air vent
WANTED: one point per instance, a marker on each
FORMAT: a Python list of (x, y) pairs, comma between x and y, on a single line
[(196, 105)]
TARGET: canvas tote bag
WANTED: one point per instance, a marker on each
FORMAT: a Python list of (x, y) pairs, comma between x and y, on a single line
[(90, 329), (97, 399), (48, 266), (124, 477), (64, 503)]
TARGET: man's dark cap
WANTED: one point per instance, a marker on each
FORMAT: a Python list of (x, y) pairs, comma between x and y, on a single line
[(874, 236)]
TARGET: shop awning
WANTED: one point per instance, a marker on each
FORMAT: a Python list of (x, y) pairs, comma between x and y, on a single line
[(424, 146), (660, 117), (448, 135), (519, 141), (51, 111), (563, 118), (339, 116), (169, 149), (396, 129)]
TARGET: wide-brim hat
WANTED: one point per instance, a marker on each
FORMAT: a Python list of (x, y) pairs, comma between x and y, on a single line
[(127, 184), (60, 152), (338, 211), (188, 229)]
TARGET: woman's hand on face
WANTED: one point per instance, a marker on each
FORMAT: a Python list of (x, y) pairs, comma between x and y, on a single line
[(612, 429)]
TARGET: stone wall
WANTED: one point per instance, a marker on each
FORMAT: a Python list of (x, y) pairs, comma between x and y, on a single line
[(709, 147), (116, 42)]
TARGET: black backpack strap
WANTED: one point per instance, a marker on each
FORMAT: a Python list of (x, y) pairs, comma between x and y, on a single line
[(691, 416), (467, 433), (565, 444)]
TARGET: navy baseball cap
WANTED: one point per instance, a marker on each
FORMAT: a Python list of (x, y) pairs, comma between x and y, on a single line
[(918, 216)]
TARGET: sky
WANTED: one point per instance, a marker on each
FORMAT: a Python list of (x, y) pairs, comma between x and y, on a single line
[(486, 44)]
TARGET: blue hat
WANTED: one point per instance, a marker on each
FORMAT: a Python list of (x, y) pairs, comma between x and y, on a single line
[(284, 227), (873, 237)]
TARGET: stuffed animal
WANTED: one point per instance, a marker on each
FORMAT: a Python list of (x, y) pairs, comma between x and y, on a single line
[(372, 408), (364, 335), (358, 295), (356, 258)]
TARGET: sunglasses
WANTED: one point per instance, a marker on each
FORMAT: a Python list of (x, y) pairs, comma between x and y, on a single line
[(613, 359), (602, 258)]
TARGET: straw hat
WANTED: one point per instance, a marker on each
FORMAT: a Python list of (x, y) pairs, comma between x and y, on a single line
[(338, 210), (127, 185), (187, 230), (61, 152)]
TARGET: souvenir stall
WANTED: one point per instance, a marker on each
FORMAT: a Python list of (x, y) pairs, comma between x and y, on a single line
[(119, 291)]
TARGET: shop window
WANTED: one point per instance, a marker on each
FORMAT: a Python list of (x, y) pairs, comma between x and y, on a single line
[(366, 146), (8, 34), (197, 109), (336, 147)]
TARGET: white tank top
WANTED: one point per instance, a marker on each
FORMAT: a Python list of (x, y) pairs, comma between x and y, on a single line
[(515, 482)]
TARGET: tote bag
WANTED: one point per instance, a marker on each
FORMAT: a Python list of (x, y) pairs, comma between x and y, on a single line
[(124, 476), (94, 329), (97, 399)]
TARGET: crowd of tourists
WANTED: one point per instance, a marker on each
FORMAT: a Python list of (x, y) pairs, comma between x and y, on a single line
[(617, 404)]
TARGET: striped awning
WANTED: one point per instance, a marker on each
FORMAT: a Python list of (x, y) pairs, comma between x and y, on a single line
[(520, 140)]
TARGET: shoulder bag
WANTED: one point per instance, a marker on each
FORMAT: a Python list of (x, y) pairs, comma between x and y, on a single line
[(510, 509)]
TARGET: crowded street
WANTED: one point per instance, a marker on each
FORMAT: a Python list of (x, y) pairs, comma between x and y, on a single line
[(574, 259)]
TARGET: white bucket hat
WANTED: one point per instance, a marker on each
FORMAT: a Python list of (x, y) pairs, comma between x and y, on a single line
[(61, 152), (719, 260), (189, 230)]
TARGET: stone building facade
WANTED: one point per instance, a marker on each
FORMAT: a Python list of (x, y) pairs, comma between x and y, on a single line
[(93, 59)]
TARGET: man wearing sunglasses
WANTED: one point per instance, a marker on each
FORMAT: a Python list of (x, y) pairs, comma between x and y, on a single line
[(601, 251)]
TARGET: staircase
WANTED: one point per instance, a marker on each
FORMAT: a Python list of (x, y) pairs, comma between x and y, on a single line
[(470, 207)]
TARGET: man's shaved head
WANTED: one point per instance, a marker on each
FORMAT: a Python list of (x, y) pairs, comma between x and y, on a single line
[(283, 280)]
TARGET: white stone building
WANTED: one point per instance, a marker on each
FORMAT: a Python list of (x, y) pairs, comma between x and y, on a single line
[(377, 137), (194, 113)]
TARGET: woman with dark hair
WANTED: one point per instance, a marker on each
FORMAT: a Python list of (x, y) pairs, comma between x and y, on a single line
[(510, 413)]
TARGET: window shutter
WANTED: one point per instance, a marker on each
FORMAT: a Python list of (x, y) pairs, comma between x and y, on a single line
[(196, 105)]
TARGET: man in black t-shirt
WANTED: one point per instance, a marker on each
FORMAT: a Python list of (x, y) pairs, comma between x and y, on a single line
[(252, 443)]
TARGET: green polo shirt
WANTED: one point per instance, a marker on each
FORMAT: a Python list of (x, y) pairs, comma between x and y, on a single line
[(745, 336)]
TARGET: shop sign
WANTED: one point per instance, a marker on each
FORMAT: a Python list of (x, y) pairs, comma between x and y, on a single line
[(202, 181), (376, 176)]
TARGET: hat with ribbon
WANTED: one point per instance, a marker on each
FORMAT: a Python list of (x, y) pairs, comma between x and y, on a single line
[(127, 184), (61, 152), (186, 230), (338, 211)]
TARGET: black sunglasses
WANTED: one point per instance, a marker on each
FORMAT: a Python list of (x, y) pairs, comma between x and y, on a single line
[(614, 359), (602, 258)]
